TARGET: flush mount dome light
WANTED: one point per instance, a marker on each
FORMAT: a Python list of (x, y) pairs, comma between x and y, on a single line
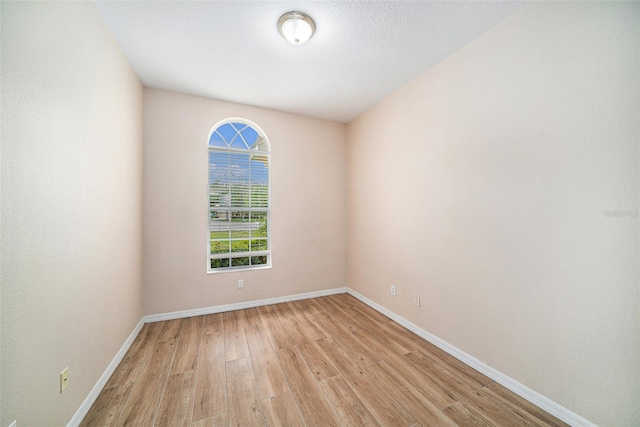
[(296, 27)]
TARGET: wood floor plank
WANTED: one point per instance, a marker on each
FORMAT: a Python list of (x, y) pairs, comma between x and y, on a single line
[(346, 403), (523, 407), (251, 317), (318, 331), (318, 363), (277, 333), (383, 407), (244, 405), (106, 410), (308, 327), (411, 399), (380, 333), (211, 389), (455, 382), (343, 337), (362, 308), (314, 307), (142, 404), (257, 339), (270, 380), (135, 361), (177, 401), (332, 305), (430, 388), (439, 356), (293, 329), (342, 301), (461, 415), (282, 310), (235, 341), (443, 357), (389, 331), (171, 330), (281, 411), (325, 305), (493, 411), (213, 323), (313, 406), (220, 420), (371, 339), (299, 306), (186, 358)]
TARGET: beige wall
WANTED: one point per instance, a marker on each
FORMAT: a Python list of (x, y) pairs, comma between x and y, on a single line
[(71, 206), (308, 205), (483, 186)]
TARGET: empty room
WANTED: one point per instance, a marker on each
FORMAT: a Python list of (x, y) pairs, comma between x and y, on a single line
[(318, 213)]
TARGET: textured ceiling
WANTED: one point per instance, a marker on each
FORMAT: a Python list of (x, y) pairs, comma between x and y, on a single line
[(231, 50)]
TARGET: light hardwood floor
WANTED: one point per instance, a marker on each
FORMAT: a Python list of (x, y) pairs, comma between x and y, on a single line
[(326, 361)]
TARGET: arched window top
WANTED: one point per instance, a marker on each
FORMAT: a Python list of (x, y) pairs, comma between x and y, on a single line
[(239, 134)]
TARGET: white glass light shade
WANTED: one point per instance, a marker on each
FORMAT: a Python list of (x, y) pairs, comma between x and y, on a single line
[(296, 27)]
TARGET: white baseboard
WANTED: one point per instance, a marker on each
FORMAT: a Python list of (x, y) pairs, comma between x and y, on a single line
[(521, 390), (95, 391), (240, 305)]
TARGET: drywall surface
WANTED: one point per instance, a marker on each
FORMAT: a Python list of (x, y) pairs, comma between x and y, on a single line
[(71, 206), (308, 205), (501, 186)]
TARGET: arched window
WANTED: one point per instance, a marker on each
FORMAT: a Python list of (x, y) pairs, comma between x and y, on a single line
[(239, 196)]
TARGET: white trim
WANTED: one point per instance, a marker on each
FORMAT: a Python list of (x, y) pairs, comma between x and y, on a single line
[(521, 390), (14, 423), (236, 269), (102, 381), (240, 305)]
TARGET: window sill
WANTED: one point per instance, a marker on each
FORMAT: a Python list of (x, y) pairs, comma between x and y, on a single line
[(238, 269)]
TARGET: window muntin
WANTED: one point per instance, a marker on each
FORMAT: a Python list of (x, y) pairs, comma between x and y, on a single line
[(239, 197)]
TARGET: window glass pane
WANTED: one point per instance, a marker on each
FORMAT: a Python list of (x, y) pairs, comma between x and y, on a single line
[(239, 246), (239, 261), (216, 140), (238, 142), (220, 263), (258, 260), (219, 224), (227, 131), (239, 179), (258, 224), (239, 224), (219, 177), (259, 182), (239, 234), (259, 245), (219, 247), (250, 135)]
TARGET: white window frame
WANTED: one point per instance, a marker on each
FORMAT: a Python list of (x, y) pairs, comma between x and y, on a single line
[(268, 252)]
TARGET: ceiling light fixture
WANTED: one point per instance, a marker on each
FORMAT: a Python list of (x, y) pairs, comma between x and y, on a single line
[(296, 27)]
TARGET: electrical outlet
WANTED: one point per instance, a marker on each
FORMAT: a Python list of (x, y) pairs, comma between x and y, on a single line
[(64, 379), (416, 300), (393, 290), (240, 284)]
